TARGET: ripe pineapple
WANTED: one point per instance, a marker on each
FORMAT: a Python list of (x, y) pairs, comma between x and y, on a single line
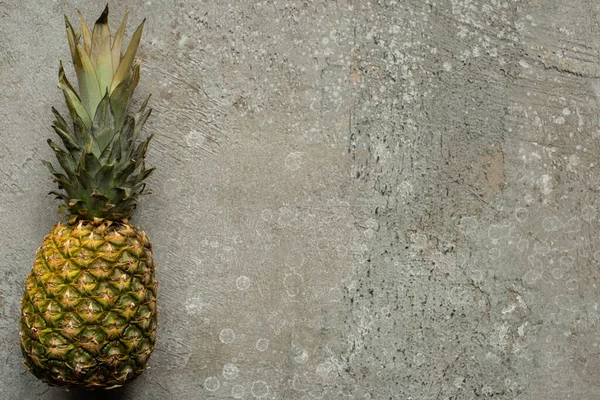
[(89, 309)]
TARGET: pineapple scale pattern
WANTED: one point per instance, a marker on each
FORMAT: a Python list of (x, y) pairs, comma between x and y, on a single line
[(89, 309)]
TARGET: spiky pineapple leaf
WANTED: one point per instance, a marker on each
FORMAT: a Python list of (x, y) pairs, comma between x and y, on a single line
[(63, 158), (100, 54), (61, 196), (90, 165), (73, 39), (140, 118), (60, 121), (118, 43), (121, 95), (140, 152), (103, 164), (87, 38), (127, 60), (67, 139), (72, 99), (137, 123), (104, 177), (64, 182), (89, 87), (103, 127), (145, 174), (126, 192), (64, 132)]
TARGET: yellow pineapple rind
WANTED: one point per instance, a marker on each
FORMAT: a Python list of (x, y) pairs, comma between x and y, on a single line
[(89, 315)]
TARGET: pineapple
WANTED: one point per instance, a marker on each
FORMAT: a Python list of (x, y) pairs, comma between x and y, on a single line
[(89, 314)]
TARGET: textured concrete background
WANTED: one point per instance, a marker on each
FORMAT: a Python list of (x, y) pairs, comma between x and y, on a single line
[(354, 199)]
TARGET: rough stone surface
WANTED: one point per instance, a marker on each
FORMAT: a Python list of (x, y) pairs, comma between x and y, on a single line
[(354, 199)]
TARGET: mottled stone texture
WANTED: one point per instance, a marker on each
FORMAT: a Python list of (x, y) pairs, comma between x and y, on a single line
[(354, 199)]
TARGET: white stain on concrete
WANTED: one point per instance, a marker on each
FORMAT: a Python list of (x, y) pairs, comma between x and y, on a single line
[(259, 389), (212, 384), (230, 371), (262, 344), (227, 336), (242, 282)]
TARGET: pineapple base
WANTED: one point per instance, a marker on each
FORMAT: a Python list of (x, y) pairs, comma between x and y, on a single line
[(89, 315)]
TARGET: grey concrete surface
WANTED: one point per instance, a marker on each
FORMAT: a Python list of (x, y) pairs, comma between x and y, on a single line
[(354, 199)]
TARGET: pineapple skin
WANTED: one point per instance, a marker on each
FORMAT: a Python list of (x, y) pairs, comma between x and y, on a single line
[(89, 315)]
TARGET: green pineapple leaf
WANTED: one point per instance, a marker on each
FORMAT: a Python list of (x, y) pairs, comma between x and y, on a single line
[(101, 54)]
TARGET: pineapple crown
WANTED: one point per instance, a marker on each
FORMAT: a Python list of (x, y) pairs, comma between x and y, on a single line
[(103, 169)]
